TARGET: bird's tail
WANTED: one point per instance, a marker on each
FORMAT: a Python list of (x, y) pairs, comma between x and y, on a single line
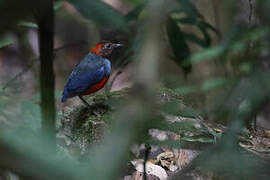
[(64, 99), (64, 96)]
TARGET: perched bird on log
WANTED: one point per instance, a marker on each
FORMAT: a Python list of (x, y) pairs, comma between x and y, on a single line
[(91, 73)]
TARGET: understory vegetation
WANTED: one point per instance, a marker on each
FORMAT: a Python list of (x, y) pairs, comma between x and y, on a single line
[(187, 97)]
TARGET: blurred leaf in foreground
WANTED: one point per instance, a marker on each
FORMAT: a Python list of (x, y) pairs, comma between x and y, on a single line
[(5, 41), (28, 24), (100, 12), (58, 4)]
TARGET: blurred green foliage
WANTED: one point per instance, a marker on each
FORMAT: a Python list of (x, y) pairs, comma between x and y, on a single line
[(100, 12), (239, 91), (5, 41)]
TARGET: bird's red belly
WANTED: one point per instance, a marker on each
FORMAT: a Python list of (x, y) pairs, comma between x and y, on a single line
[(96, 87)]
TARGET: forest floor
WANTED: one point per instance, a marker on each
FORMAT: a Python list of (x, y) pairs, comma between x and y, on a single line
[(80, 128)]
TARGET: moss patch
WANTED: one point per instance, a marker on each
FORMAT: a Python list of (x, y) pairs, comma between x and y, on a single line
[(85, 126), (82, 126)]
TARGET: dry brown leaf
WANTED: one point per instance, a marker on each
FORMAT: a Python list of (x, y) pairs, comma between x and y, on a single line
[(166, 159)]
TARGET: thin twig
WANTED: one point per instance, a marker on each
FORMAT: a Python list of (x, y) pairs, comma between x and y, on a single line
[(29, 66), (250, 12), (34, 60), (146, 156)]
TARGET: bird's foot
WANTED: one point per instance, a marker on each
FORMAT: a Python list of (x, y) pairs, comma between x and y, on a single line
[(91, 109), (96, 113)]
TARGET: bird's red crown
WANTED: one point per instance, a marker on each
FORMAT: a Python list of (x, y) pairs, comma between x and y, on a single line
[(97, 48), (104, 49)]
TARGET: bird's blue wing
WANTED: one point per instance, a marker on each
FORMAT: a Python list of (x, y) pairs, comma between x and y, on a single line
[(86, 74)]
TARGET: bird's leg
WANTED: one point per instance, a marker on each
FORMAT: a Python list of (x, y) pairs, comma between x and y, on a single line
[(89, 106), (84, 101)]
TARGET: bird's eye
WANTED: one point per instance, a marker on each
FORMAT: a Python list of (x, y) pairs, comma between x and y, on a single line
[(108, 46)]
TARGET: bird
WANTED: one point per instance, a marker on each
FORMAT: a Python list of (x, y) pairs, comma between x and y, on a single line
[(91, 73)]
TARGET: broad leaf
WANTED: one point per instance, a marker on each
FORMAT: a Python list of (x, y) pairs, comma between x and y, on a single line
[(193, 38), (100, 12), (188, 7), (134, 13), (178, 44), (208, 26), (206, 54), (213, 84)]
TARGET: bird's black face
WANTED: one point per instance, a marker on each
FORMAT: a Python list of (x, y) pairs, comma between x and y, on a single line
[(107, 49)]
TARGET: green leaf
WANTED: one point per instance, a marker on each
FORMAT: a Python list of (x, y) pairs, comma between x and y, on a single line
[(189, 112), (178, 44), (201, 24), (186, 20), (174, 108), (134, 13), (198, 139), (188, 7), (245, 67), (31, 115), (203, 27), (206, 25), (206, 54), (171, 107), (5, 41), (101, 13), (58, 4), (197, 40), (28, 24), (186, 90), (166, 143), (207, 38), (176, 127), (213, 84)]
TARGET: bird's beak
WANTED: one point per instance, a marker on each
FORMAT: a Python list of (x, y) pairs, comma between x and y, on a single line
[(118, 45)]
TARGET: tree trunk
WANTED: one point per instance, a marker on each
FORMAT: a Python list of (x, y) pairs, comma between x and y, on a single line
[(45, 19)]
